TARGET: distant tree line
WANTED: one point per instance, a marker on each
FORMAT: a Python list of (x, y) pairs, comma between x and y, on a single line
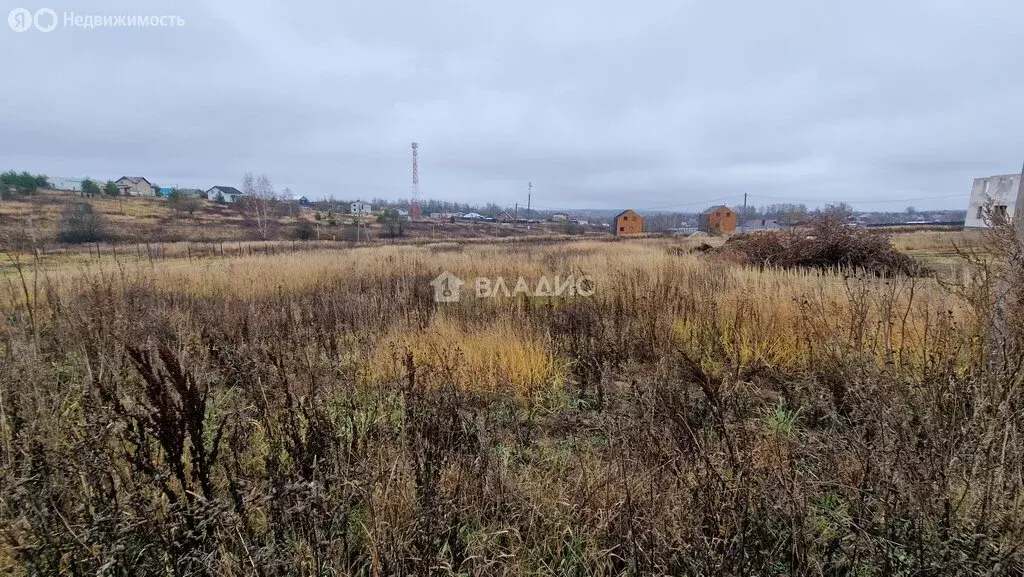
[(799, 213), (490, 209), (22, 183), (784, 213), (91, 187)]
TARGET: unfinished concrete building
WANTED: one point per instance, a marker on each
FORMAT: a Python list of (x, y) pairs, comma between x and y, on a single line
[(1001, 190)]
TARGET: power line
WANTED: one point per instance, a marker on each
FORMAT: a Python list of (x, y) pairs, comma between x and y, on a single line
[(657, 208), (862, 201), (738, 199), (699, 202)]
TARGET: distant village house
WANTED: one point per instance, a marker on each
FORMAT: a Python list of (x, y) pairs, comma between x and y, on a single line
[(135, 186), (761, 224), (718, 219), (360, 207), (228, 194), (168, 190), (69, 184), (628, 222)]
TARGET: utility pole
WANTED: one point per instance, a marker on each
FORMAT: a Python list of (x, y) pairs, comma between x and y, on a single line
[(529, 198), (744, 212)]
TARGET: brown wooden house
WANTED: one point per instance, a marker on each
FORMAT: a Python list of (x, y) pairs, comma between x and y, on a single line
[(628, 222), (718, 219)]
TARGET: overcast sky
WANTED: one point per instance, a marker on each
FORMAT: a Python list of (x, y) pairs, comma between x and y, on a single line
[(602, 104)]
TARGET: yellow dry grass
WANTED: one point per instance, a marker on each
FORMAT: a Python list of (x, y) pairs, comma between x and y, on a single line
[(129, 219), (940, 242), (489, 358), (768, 318)]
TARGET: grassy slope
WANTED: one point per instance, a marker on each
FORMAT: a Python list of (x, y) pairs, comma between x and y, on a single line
[(130, 219), (140, 220)]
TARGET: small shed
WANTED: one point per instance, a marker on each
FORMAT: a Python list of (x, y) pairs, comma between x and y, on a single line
[(628, 222)]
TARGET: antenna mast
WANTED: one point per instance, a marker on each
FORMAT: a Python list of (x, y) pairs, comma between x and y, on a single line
[(414, 208)]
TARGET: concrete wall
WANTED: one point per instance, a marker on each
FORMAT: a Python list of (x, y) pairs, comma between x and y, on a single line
[(1002, 189)]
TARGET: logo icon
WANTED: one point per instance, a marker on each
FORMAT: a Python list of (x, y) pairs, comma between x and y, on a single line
[(20, 19), (42, 24), (446, 288)]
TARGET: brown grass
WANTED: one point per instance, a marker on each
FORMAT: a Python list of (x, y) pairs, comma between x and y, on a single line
[(317, 412), (140, 220)]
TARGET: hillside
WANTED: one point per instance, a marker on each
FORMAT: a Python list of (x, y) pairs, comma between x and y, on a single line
[(36, 219)]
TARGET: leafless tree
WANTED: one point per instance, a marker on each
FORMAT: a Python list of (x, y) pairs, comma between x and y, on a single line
[(288, 200), (840, 211), (259, 203), (181, 202)]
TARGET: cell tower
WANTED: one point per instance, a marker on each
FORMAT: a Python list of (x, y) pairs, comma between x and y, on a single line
[(414, 208)]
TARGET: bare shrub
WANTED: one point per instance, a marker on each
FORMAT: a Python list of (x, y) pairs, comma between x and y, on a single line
[(305, 230), (79, 223), (392, 223), (993, 286), (827, 244), (183, 203)]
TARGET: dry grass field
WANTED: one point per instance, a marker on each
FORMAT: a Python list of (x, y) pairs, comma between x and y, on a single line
[(35, 219), (316, 412), (129, 219)]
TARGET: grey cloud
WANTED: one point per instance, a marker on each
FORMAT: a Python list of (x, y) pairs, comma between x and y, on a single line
[(599, 103)]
